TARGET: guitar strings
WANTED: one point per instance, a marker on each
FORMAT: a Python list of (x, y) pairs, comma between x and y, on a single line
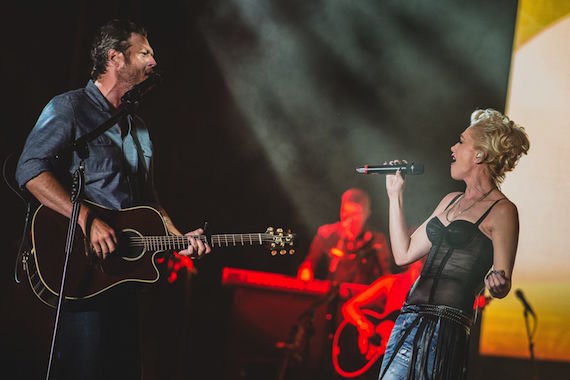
[(226, 240)]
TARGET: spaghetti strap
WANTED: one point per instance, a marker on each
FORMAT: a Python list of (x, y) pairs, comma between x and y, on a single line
[(453, 200), (488, 211)]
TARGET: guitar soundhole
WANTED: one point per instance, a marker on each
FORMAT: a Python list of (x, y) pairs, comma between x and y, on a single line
[(130, 245)]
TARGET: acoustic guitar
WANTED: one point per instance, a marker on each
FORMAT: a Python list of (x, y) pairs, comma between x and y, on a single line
[(348, 361), (142, 234)]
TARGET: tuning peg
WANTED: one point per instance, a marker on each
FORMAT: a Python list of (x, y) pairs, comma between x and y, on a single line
[(273, 252), (270, 230), (280, 231), (291, 251), (272, 245), (282, 252)]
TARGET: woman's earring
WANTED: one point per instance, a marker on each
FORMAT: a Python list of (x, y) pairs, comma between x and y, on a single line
[(479, 157)]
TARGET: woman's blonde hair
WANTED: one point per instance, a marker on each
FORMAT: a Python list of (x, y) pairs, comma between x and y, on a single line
[(502, 141)]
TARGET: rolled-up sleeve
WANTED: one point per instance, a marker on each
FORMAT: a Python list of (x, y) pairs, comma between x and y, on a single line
[(53, 131)]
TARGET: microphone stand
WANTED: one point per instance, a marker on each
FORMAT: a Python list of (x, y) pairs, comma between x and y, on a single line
[(304, 328), (129, 101), (302, 331), (530, 335), (76, 190)]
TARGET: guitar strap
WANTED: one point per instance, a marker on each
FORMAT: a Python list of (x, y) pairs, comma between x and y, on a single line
[(148, 177), (139, 149), (25, 243)]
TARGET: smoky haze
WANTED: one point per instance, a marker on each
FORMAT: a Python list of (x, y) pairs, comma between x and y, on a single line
[(325, 86)]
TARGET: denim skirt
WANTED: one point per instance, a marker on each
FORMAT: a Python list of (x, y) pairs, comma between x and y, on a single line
[(427, 342)]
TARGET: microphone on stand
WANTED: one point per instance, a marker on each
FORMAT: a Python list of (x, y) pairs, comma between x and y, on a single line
[(529, 333), (135, 94), (414, 168), (525, 303)]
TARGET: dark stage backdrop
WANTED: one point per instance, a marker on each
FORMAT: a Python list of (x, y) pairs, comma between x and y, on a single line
[(266, 109)]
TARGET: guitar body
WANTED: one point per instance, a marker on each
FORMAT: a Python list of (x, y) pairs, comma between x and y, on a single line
[(348, 361), (141, 234), (86, 275)]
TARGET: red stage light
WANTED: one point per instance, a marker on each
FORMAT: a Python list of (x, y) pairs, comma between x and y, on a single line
[(480, 301), (175, 264), (306, 274)]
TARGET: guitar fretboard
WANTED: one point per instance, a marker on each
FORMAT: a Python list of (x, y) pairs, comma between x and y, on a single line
[(165, 243)]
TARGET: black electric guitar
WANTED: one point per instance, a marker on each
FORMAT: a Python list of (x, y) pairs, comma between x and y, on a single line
[(142, 234), (348, 361)]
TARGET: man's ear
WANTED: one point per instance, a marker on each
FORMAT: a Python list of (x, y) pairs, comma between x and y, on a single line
[(114, 57)]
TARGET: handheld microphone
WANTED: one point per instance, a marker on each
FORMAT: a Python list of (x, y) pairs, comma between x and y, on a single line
[(411, 169), (523, 300), (135, 94)]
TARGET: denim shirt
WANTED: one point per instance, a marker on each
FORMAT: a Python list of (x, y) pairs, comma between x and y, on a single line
[(114, 175)]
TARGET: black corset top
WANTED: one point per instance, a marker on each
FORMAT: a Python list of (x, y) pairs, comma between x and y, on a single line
[(458, 233), (460, 257)]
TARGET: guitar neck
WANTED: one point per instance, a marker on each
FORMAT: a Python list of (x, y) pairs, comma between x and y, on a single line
[(164, 243)]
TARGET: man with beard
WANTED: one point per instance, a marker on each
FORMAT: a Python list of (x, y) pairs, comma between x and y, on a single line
[(99, 339)]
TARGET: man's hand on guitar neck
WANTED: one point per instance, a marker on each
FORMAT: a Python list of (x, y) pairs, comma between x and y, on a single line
[(196, 246)]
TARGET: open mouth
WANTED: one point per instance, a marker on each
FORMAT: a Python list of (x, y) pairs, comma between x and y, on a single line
[(452, 159)]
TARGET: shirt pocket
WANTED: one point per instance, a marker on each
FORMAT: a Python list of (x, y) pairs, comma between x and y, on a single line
[(105, 157)]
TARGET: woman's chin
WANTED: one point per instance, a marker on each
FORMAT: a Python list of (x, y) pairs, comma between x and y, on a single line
[(453, 173)]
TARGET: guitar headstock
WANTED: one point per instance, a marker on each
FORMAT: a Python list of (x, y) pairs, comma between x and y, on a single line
[(280, 241)]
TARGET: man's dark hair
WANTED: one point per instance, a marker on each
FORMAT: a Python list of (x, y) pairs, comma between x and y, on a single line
[(112, 35)]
